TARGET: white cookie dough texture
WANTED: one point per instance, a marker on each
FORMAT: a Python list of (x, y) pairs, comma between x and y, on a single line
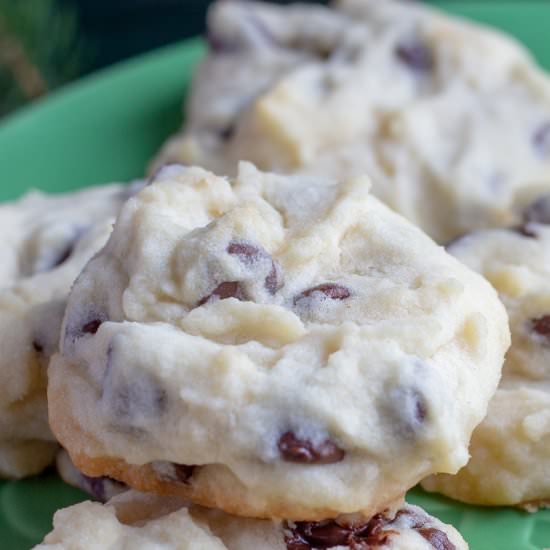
[(148, 522), (273, 346), (47, 240), (450, 119), (510, 450)]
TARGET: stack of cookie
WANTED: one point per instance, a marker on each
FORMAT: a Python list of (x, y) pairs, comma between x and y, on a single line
[(272, 361)]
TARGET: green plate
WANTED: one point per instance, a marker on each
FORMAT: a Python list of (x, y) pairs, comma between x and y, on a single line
[(105, 128)]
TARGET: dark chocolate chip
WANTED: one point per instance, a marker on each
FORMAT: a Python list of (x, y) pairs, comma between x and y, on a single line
[(330, 290), (525, 230), (303, 451), (184, 472), (541, 139), (324, 534), (229, 289), (91, 327), (97, 486), (541, 326), (131, 400), (414, 520), (227, 132), (64, 255), (538, 211), (249, 254), (416, 55), (438, 539), (82, 324), (38, 347), (294, 542), (408, 411), (273, 280), (330, 533), (246, 251), (421, 410), (48, 258)]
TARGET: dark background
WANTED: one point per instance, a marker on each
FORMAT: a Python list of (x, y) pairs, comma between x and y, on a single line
[(117, 29), (47, 43)]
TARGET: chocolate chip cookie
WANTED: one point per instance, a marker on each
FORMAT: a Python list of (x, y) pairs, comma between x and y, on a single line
[(137, 520), (449, 118), (273, 346), (510, 463), (47, 240)]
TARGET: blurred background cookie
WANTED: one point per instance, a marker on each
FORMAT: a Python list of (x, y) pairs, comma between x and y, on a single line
[(47, 240)]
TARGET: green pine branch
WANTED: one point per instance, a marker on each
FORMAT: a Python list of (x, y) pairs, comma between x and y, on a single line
[(39, 50)]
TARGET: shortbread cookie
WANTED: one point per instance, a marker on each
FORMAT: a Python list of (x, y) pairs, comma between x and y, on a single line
[(100, 488), (147, 522), (450, 119), (273, 346), (47, 240), (510, 450)]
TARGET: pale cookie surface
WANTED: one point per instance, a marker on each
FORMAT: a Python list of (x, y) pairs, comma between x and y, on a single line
[(273, 346), (136, 520), (510, 450), (450, 119), (47, 240)]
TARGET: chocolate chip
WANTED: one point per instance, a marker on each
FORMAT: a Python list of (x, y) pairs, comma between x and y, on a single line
[(246, 251), (421, 410), (101, 488), (228, 132), (184, 472), (38, 347), (330, 533), (438, 539), (295, 543), (132, 400), (229, 289), (82, 324), (131, 396), (91, 327), (49, 257), (407, 411), (303, 451), (64, 255), (251, 254), (541, 138), (416, 55), (525, 230), (541, 326), (413, 519), (324, 534), (330, 290), (538, 211)]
